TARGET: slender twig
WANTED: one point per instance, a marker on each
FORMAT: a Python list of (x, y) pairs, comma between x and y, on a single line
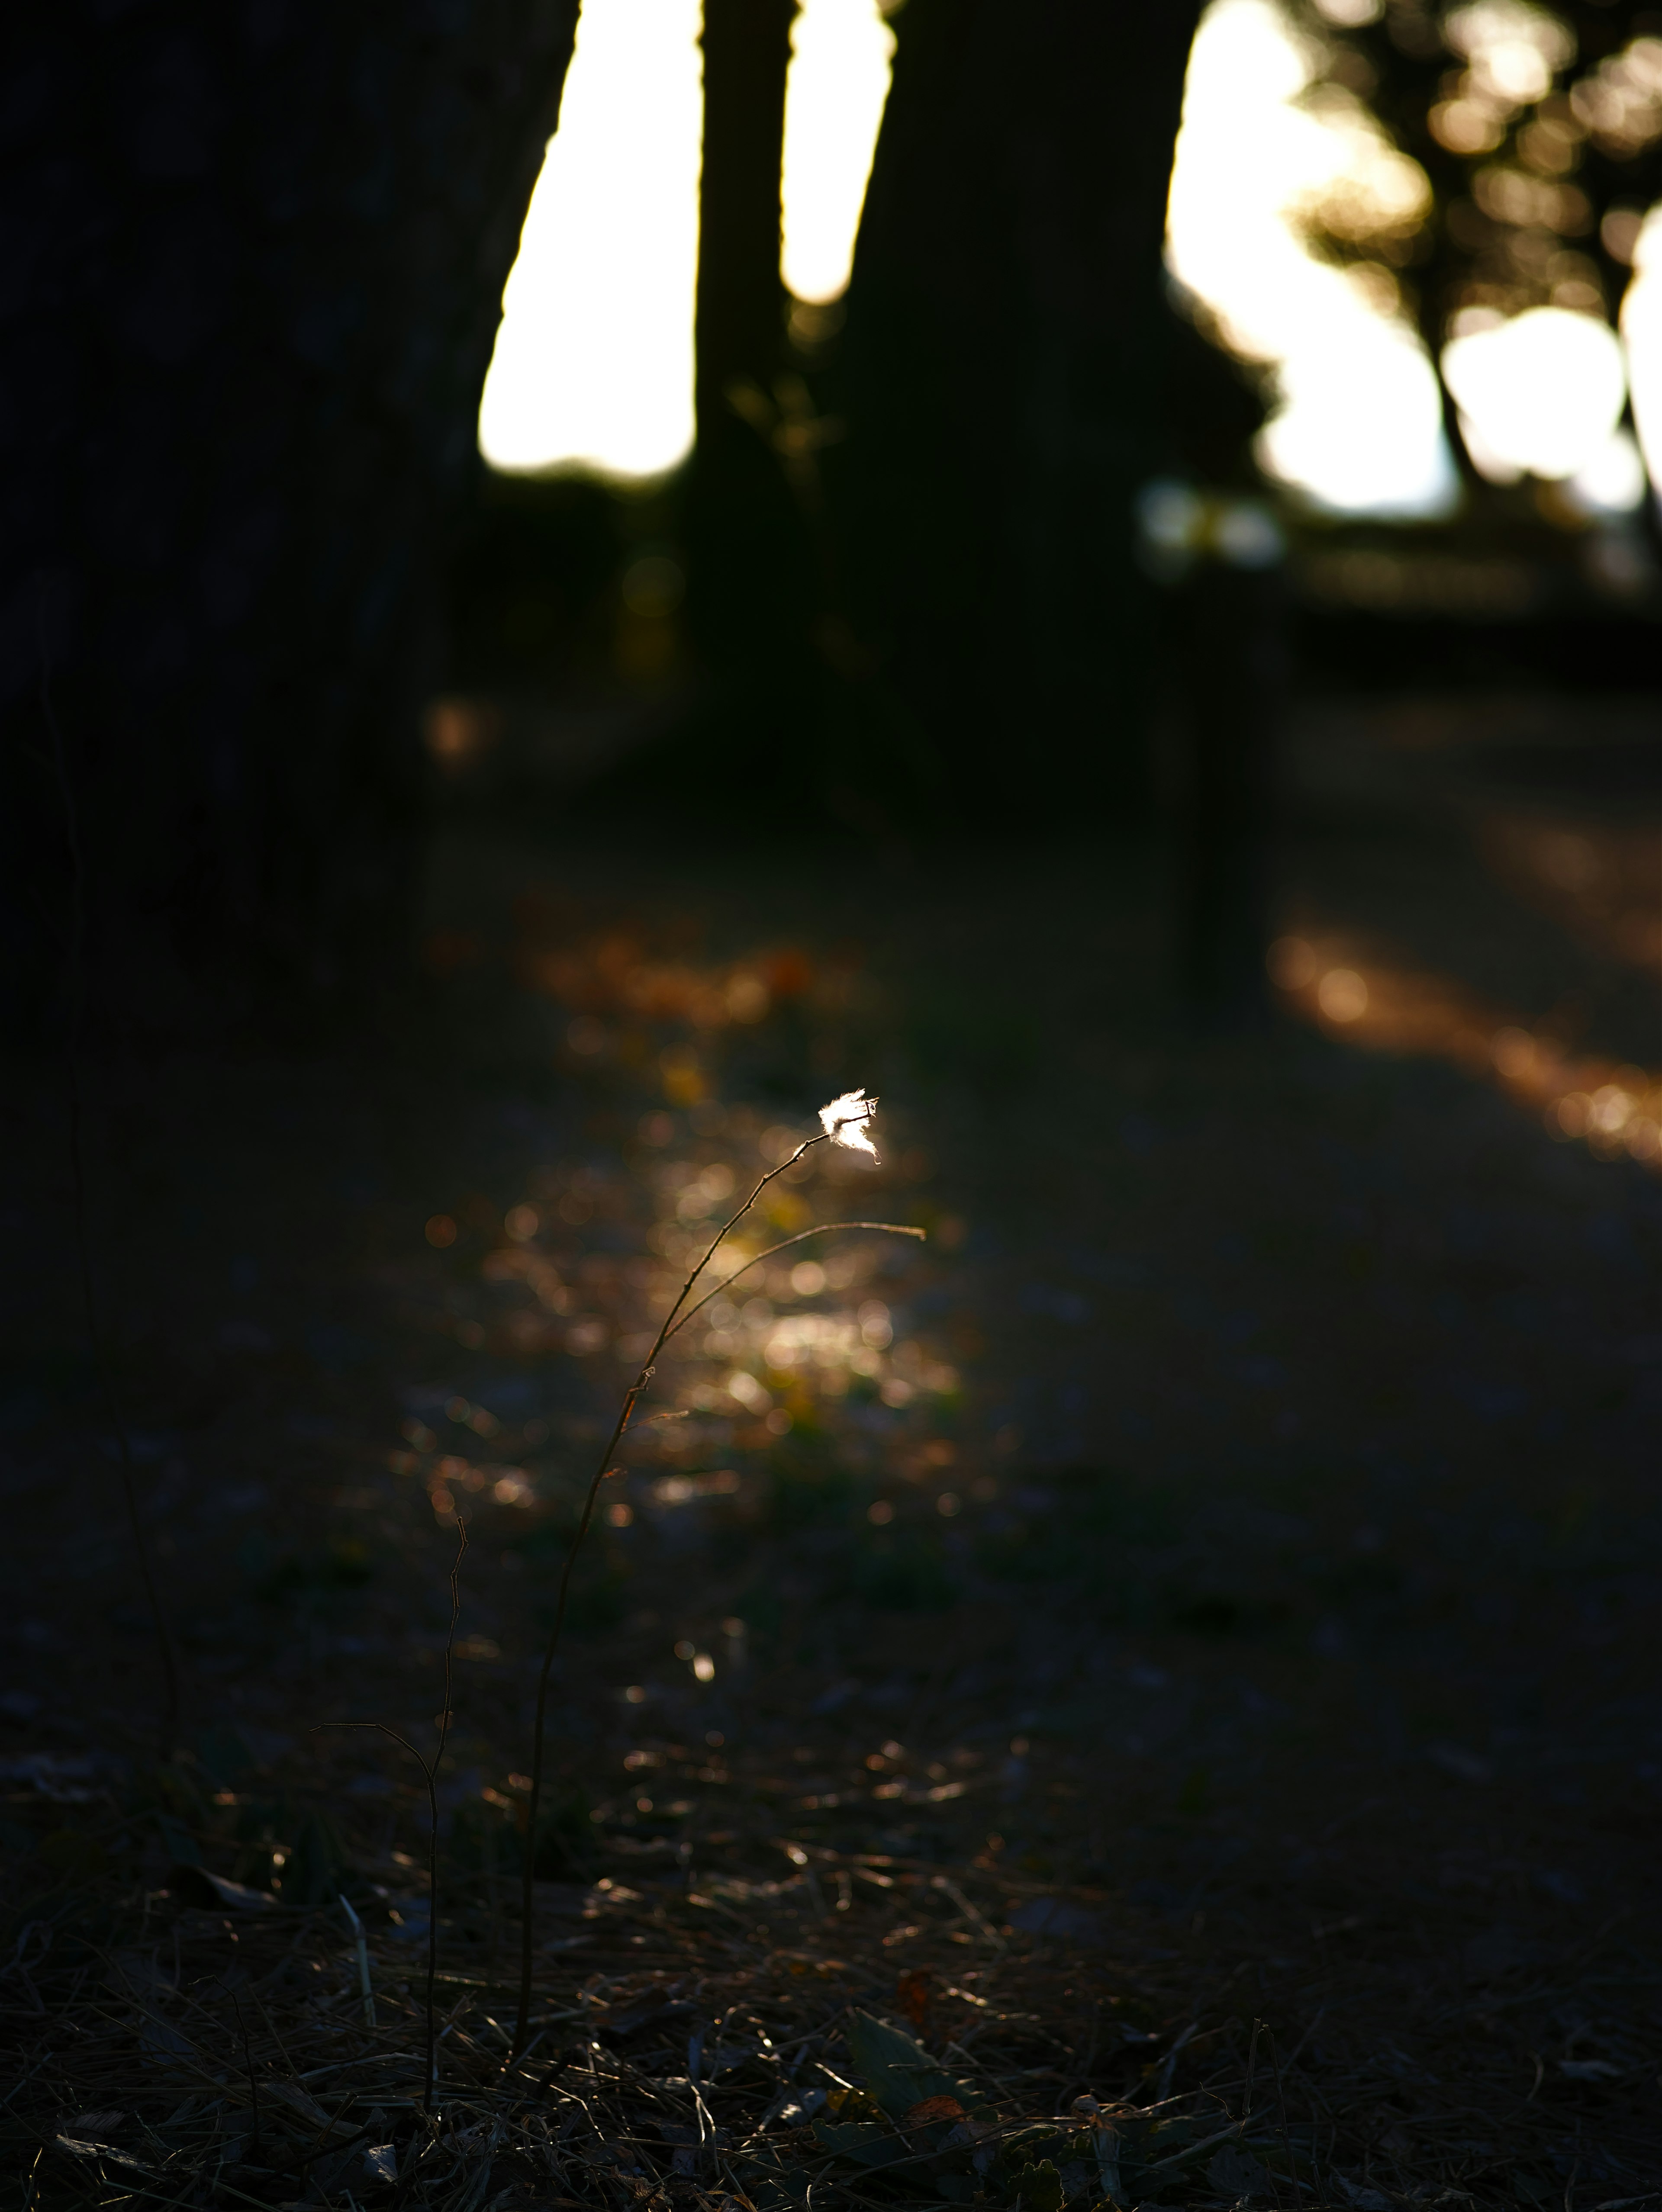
[(631, 1396), (75, 943), (430, 1775), (894, 1227)]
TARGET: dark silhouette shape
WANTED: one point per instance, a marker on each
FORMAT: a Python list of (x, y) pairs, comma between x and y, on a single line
[(749, 600), (1000, 376), (253, 276)]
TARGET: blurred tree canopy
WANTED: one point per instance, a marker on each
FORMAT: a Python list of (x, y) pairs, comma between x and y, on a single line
[(1537, 134), (265, 256)]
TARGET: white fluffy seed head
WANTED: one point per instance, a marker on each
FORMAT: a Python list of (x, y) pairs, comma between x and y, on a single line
[(847, 1121)]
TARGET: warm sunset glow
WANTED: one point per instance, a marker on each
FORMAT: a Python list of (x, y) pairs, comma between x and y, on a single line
[(1358, 426), (1383, 1004), (593, 360), (838, 82), (1641, 328)]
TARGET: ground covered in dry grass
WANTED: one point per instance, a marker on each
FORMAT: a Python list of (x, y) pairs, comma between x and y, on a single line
[(1148, 1697)]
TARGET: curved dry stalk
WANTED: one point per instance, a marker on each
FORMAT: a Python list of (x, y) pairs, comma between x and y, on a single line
[(894, 1229), (672, 1320)]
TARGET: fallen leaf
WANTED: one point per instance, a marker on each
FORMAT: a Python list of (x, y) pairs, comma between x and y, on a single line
[(897, 2070), (1038, 2188), (911, 1995), (929, 2110)]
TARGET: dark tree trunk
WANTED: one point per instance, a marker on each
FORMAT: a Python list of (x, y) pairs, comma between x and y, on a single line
[(253, 271), (741, 325), (1001, 375), (748, 579)]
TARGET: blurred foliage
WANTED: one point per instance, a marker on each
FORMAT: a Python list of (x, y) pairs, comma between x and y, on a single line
[(1538, 135)]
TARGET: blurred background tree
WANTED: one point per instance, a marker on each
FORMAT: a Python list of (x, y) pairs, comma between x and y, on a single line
[(254, 266), (751, 595), (1538, 132), (251, 535), (1002, 377)]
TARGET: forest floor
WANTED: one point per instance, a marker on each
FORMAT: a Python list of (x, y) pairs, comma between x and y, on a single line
[(1183, 1638)]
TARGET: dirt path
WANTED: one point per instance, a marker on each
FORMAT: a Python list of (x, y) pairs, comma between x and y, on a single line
[(1236, 1526)]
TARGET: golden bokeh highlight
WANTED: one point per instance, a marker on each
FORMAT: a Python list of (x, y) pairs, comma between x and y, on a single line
[(1614, 1108)]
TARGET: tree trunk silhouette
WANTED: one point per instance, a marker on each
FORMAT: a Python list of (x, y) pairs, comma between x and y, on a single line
[(749, 583), (1001, 376), (256, 273)]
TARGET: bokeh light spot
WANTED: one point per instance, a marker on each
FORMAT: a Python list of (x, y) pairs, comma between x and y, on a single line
[(1543, 393), (1292, 964), (1341, 996)]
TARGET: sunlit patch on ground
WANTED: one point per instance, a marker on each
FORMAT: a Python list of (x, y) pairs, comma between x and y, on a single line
[(1321, 1656), (581, 1268), (1362, 996)]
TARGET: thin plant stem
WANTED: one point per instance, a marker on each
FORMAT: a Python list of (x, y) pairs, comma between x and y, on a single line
[(894, 1227), (75, 962), (631, 1397), (430, 1768)]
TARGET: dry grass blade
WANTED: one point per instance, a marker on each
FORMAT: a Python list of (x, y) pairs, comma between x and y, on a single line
[(846, 1121)]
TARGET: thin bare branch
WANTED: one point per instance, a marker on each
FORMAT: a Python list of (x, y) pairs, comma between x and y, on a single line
[(894, 1229)]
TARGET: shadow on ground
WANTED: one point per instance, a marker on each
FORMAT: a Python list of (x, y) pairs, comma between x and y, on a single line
[(1213, 1580)]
